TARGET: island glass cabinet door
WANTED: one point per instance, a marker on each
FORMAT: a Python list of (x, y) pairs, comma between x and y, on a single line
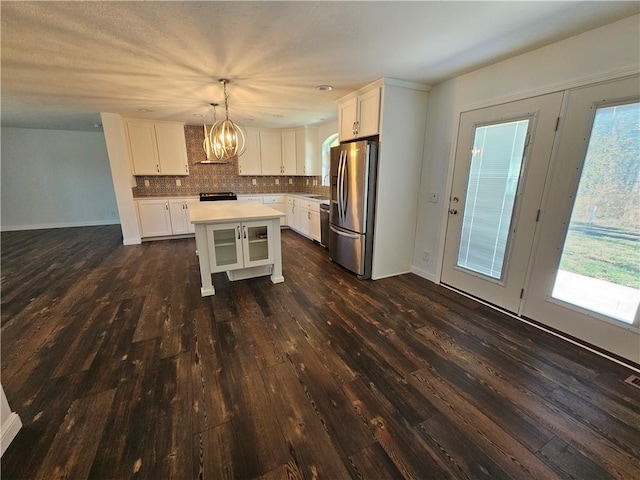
[(257, 247), (233, 246), (225, 247)]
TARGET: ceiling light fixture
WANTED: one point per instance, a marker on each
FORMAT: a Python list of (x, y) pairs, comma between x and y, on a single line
[(226, 138), (324, 88)]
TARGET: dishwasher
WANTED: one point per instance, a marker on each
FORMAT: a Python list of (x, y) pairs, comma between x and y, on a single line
[(324, 225)]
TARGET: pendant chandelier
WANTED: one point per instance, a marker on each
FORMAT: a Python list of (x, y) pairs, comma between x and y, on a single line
[(226, 138)]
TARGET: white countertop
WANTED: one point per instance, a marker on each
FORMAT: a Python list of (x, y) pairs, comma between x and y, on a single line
[(308, 196), (231, 211)]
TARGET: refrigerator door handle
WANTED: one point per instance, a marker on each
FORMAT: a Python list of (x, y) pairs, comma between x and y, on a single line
[(344, 234), (340, 184), (342, 205)]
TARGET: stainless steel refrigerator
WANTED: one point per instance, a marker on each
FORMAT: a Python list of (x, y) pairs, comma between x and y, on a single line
[(353, 189)]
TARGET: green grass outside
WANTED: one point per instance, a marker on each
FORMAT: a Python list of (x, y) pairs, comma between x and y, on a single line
[(607, 254)]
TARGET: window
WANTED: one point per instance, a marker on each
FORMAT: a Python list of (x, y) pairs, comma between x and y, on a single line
[(600, 268), (331, 141), (496, 164)]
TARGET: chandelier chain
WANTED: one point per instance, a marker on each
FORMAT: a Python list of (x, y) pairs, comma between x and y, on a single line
[(226, 99)]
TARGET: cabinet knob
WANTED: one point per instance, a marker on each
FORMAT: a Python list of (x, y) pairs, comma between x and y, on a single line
[(166, 205), (238, 232), (157, 168), (244, 231)]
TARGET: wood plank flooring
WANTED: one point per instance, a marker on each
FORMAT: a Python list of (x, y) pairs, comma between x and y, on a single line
[(119, 369)]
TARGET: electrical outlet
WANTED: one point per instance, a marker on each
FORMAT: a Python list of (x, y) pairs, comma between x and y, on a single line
[(178, 182), (277, 181), (253, 181), (146, 183), (425, 256), (433, 197), (290, 181)]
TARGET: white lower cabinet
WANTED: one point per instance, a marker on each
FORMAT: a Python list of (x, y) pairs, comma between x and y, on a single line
[(155, 220), (250, 198), (161, 217), (277, 202), (179, 213), (314, 225), (304, 216), (239, 245), (291, 212)]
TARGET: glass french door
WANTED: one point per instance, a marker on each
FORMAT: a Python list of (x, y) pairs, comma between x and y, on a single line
[(502, 157), (585, 278)]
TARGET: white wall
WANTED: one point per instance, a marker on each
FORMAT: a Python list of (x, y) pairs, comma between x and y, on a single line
[(55, 178), (326, 129), (122, 178), (603, 53)]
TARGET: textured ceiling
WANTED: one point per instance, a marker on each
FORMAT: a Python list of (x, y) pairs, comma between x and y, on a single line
[(64, 62)]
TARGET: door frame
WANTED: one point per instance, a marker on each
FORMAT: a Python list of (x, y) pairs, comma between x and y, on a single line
[(596, 329), (542, 110)]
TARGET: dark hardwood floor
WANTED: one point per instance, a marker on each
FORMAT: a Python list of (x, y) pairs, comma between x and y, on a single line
[(119, 369)]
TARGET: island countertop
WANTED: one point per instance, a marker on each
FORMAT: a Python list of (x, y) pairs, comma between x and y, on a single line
[(231, 211)]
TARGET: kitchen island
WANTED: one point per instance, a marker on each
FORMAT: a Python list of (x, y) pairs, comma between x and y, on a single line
[(241, 238)]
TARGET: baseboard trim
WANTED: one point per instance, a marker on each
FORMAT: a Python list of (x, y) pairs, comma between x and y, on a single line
[(132, 241), (44, 226), (9, 430), (424, 274)]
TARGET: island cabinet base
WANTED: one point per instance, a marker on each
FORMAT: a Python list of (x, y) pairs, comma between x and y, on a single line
[(243, 248), (251, 272)]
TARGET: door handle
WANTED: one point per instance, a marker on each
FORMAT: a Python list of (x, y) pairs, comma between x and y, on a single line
[(344, 234), (453, 211), (244, 230), (238, 232)]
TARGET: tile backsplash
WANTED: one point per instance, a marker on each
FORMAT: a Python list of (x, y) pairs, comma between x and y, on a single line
[(218, 177)]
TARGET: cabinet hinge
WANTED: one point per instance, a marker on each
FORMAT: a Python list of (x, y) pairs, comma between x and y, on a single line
[(522, 293), (538, 216), (557, 124)]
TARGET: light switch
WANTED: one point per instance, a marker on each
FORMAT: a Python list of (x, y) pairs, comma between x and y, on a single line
[(146, 183), (277, 181)]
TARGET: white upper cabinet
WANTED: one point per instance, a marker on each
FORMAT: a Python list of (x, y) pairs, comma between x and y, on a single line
[(157, 148), (249, 162), (359, 115), (308, 162), (281, 152), (143, 148), (271, 152), (172, 149), (289, 149)]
